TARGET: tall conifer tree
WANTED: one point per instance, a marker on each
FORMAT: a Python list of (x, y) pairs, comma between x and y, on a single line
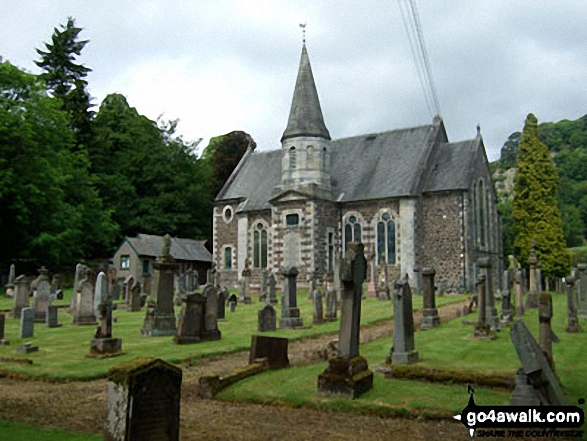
[(536, 213)]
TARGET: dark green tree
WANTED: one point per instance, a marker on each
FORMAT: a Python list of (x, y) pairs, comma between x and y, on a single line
[(65, 78), (535, 209)]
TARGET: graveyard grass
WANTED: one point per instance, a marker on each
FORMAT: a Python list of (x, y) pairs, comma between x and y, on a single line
[(449, 348), (21, 432), (61, 355)]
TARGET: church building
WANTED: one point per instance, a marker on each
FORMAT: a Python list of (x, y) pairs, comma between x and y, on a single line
[(413, 198)]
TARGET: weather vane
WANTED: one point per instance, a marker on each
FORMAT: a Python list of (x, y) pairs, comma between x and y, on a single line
[(303, 26)]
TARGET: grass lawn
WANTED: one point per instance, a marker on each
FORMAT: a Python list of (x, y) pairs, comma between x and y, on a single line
[(62, 350), (21, 432), (448, 347)]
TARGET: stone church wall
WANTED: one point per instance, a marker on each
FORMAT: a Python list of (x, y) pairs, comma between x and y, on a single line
[(225, 235)]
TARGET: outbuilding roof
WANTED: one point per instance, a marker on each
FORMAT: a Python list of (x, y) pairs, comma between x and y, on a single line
[(151, 245)]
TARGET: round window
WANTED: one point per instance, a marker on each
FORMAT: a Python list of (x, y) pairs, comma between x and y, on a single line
[(227, 214), (385, 216)]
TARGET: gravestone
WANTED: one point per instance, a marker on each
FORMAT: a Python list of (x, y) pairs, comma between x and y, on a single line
[(160, 316), (482, 328), (103, 344), (582, 290), (372, 284), (533, 290), (56, 283), (544, 317), (135, 302), (383, 292), (246, 284), (505, 316), (222, 299), (404, 347), (210, 330), (143, 401), (52, 317), (330, 300), (232, 302), (115, 289), (573, 323), (348, 373), (20, 299), (290, 313), (128, 285), (267, 319), (100, 293), (41, 300), (11, 274), (27, 323), (191, 319), (27, 348), (491, 312), (81, 273), (430, 318), (536, 383), (274, 349), (271, 289), (318, 307), (84, 304), (518, 282)]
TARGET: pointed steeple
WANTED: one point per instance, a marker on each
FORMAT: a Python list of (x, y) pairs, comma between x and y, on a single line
[(305, 116)]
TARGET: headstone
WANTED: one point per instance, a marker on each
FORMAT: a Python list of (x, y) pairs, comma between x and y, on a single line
[(103, 344), (11, 274), (56, 283), (330, 300), (232, 302), (318, 316), (52, 317), (571, 306), (27, 323), (535, 367), (27, 348), (505, 317), (191, 318), (129, 283), (404, 347), (274, 349), (383, 292), (267, 319), (143, 401), (84, 304), (160, 317), (135, 304), (41, 296), (348, 373), (372, 285), (533, 290), (430, 318), (518, 286), (20, 299), (100, 293), (582, 290), (210, 330), (222, 299), (115, 289), (491, 312), (81, 273), (246, 284), (482, 328), (271, 289), (290, 313), (544, 316)]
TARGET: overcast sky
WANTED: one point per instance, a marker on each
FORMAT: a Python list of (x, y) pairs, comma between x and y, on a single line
[(221, 65)]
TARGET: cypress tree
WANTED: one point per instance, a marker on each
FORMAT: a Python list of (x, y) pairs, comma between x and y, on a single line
[(535, 210)]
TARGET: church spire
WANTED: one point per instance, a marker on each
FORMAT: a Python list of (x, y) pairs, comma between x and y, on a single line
[(305, 116)]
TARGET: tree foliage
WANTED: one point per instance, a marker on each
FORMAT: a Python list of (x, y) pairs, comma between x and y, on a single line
[(535, 209)]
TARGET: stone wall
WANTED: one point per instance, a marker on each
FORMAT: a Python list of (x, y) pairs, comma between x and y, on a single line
[(225, 234)]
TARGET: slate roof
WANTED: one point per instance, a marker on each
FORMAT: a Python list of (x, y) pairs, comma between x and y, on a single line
[(181, 249), (451, 166)]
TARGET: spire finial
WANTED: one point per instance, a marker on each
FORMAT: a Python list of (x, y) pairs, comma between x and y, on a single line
[(303, 26)]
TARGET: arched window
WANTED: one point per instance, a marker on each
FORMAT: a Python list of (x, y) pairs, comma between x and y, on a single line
[(292, 158), (352, 231), (386, 239), (482, 210), (260, 246), (324, 166), (227, 258), (311, 157)]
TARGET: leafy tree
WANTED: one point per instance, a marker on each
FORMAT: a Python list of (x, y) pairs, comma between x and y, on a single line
[(65, 78), (509, 151), (507, 227), (535, 209)]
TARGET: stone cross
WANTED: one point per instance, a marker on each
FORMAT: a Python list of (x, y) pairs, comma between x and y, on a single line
[(103, 344), (41, 296), (491, 312), (544, 316), (267, 319), (404, 347), (582, 290), (20, 299), (430, 318), (571, 306), (318, 316), (290, 313), (533, 291)]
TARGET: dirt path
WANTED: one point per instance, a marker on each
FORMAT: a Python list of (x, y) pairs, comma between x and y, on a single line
[(81, 406)]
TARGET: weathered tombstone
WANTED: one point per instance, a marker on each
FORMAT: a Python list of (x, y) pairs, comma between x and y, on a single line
[(222, 299), (536, 382), (56, 283), (135, 304), (267, 319), (20, 299), (41, 296), (52, 317), (81, 272), (518, 285), (100, 293), (430, 318), (191, 319), (232, 302), (11, 274), (290, 313), (246, 284), (160, 317), (103, 344), (115, 289), (128, 285), (372, 285), (330, 300), (404, 347), (571, 306), (318, 307), (544, 316), (271, 289), (582, 290), (505, 317), (533, 291), (210, 330), (383, 292), (491, 312), (27, 322), (274, 349), (143, 401), (348, 373), (84, 304), (482, 328), (27, 348)]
